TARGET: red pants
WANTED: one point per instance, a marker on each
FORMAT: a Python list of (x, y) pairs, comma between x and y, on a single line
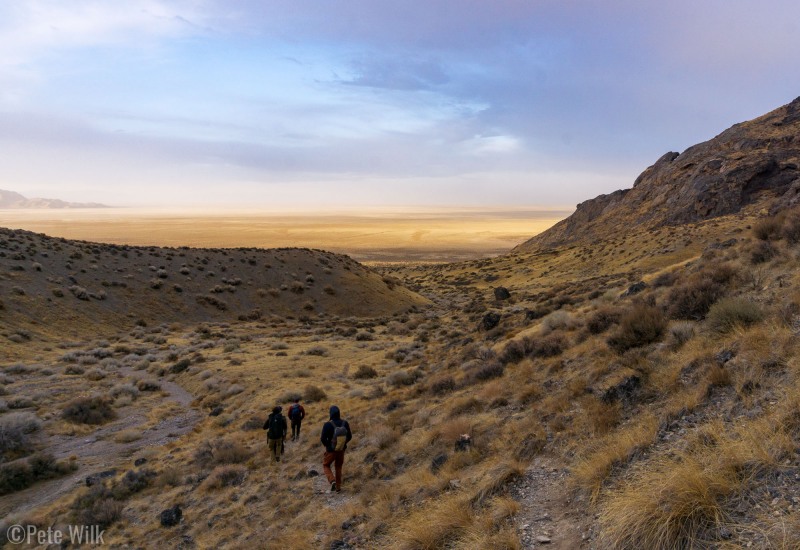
[(337, 459)]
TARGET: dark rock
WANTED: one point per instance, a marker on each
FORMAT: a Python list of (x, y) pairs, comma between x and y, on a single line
[(216, 411), (533, 314), (464, 443), (724, 356), (139, 461), (490, 320), (635, 288), (171, 516), (501, 293), (340, 545), (438, 461), (94, 479), (312, 473)]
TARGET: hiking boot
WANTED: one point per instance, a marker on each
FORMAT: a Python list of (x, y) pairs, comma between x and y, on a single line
[(333, 487)]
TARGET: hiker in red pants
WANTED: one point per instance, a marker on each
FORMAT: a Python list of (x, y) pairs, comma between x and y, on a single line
[(335, 436)]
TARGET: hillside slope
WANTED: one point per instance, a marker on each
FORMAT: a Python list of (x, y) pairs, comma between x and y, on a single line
[(749, 162), (58, 284)]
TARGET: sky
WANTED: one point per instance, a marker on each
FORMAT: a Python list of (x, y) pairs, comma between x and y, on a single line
[(349, 103)]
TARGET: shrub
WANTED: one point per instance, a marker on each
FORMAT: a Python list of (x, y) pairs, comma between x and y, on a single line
[(320, 351), (762, 252), (443, 385), (180, 366), (730, 312), (638, 327), (602, 319), (791, 227), (148, 385), (96, 507), (365, 372), (289, 397), (88, 410), (682, 332), (313, 393), (487, 371), (221, 451), (20, 474), (548, 346), (400, 378), (768, 228), (14, 430), (693, 299), (226, 476), (132, 482)]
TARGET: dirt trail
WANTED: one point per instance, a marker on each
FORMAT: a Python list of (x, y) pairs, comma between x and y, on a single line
[(98, 451), (549, 518)]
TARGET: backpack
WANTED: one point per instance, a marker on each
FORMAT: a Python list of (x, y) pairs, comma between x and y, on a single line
[(339, 439), (294, 411), (275, 430)]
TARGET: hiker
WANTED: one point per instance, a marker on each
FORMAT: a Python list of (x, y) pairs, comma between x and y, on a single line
[(335, 436), (276, 432), (296, 414)]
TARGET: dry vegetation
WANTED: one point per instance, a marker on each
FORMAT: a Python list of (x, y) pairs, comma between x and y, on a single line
[(660, 370)]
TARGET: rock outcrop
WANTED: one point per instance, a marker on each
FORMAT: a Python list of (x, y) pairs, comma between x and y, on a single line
[(751, 161)]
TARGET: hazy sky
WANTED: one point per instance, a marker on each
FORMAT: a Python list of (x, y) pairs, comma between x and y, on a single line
[(351, 102)]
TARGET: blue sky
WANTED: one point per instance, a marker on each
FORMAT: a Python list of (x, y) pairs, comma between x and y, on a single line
[(369, 102)]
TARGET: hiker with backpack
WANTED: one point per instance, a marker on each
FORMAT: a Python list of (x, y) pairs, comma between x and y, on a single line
[(296, 414), (335, 436), (276, 432)]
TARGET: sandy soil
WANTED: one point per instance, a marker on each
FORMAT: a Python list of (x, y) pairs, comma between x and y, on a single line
[(368, 236)]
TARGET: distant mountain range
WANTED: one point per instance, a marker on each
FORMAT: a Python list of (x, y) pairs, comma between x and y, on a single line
[(10, 199)]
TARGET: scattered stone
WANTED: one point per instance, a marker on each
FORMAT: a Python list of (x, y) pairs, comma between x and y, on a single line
[(139, 461), (216, 411), (635, 288), (541, 539), (340, 545), (438, 461), (312, 473), (94, 479), (454, 484), (501, 293), (464, 443), (490, 320), (171, 516)]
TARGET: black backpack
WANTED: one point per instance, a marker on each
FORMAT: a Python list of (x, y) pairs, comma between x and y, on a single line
[(294, 411), (275, 430)]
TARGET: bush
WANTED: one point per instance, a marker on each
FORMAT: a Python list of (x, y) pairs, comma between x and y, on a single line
[(640, 326), (365, 372), (602, 319), (549, 346), (693, 299), (14, 430), (768, 228), (730, 312), (487, 371), (313, 393), (762, 252), (400, 378), (88, 410), (226, 476), (21, 474), (443, 385), (96, 507), (221, 451), (320, 351)]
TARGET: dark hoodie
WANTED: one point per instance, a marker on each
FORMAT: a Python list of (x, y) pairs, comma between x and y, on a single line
[(279, 432), (328, 428)]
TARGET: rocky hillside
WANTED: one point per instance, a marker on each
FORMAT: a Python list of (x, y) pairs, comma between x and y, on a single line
[(750, 162), (60, 284), (11, 199)]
